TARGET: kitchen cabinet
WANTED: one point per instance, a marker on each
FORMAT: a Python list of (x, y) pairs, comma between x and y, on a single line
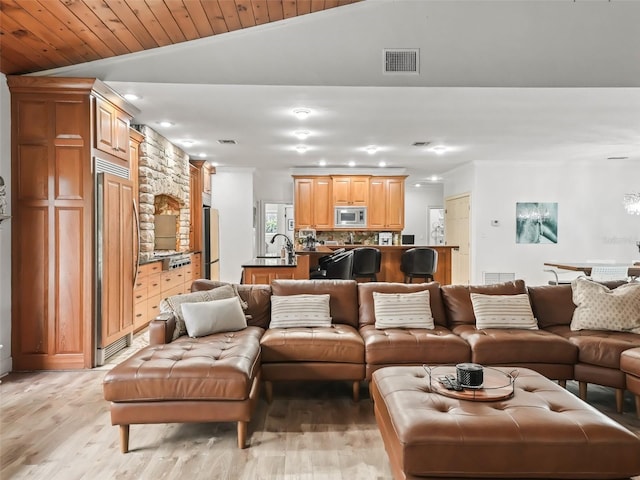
[(195, 208), (70, 268), (313, 203), (386, 206), (135, 139), (350, 190), (265, 270), (112, 129)]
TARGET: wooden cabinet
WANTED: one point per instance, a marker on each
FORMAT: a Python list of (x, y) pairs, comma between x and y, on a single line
[(195, 208), (261, 274), (313, 203), (112, 129), (135, 139), (350, 190), (386, 206), (57, 264)]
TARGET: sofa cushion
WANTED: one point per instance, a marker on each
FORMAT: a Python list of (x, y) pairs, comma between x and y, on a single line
[(513, 346), (503, 311), (206, 318), (289, 311), (600, 308), (367, 308), (217, 367), (338, 343), (257, 298), (344, 296), (413, 346), (552, 304), (457, 301), (174, 304), (402, 310)]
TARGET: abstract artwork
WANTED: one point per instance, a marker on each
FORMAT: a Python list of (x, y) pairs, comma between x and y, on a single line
[(536, 222)]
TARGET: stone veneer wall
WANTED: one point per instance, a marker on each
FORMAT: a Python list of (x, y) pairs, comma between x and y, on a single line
[(163, 169)]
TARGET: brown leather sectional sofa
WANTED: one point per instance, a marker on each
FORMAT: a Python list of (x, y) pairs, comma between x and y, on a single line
[(202, 377)]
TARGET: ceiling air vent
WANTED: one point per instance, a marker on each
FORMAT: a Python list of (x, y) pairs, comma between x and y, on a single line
[(227, 142), (420, 144), (405, 61)]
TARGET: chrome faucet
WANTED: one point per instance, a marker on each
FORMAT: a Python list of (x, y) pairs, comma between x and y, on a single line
[(351, 238), (288, 246)]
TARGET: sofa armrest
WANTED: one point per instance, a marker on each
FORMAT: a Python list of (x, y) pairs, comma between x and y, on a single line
[(161, 329)]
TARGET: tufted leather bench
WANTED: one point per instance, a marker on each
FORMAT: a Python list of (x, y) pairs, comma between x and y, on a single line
[(630, 365), (543, 431), (209, 379)]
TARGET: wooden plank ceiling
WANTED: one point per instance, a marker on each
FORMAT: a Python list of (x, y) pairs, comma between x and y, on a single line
[(38, 35)]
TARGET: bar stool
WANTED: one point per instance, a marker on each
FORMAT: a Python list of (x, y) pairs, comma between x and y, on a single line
[(366, 263), (419, 262)]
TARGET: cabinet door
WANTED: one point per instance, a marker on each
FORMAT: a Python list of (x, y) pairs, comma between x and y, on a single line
[(322, 207), (377, 212), (105, 132), (359, 191), (303, 208), (341, 190), (395, 204), (121, 134)]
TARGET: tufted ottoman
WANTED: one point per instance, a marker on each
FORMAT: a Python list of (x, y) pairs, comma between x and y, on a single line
[(543, 431), (630, 365), (208, 379)]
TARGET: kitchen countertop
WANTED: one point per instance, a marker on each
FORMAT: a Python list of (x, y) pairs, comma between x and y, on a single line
[(159, 259), (331, 248), (269, 262)]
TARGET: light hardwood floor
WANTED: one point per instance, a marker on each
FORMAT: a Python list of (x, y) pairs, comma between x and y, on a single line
[(55, 425)]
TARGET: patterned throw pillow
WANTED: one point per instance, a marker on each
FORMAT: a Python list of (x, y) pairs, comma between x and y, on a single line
[(503, 311), (174, 304), (305, 310), (600, 308), (403, 310)]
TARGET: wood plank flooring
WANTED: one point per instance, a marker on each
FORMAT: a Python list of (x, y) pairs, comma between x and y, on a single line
[(56, 425)]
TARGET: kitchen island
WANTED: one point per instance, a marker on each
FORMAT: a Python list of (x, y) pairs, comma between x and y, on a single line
[(390, 261), (262, 270)]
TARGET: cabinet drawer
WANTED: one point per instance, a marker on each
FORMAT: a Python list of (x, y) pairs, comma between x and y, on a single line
[(149, 268), (154, 283), (179, 290), (153, 307), (140, 313), (171, 279)]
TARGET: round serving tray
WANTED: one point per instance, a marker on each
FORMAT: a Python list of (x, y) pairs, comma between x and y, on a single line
[(497, 384)]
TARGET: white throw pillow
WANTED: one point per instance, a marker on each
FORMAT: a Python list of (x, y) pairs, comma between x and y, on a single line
[(403, 310), (173, 304), (600, 308), (288, 311), (205, 318), (503, 311)]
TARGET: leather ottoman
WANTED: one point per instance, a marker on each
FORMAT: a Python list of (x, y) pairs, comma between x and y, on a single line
[(209, 379), (630, 365), (543, 431)]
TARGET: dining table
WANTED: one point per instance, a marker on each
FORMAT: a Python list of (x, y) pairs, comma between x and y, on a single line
[(633, 270)]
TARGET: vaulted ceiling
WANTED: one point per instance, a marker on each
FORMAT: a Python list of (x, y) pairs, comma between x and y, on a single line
[(44, 34)]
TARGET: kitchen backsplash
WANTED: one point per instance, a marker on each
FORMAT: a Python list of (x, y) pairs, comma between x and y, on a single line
[(343, 237)]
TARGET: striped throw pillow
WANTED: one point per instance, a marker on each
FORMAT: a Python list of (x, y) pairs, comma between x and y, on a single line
[(403, 310), (305, 310), (503, 311)]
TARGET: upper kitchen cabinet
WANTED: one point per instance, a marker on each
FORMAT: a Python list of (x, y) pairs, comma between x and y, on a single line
[(313, 203), (386, 206), (112, 129), (73, 236), (350, 190)]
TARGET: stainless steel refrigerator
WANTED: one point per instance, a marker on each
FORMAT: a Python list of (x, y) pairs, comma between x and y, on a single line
[(210, 244)]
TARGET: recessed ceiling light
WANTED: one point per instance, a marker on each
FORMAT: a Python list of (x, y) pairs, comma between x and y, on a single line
[(131, 96), (301, 134), (371, 149), (301, 148), (301, 113), (434, 178), (202, 155), (439, 149), (322, 163), (187, 143), (420, 144), (417, 185), (352, 163), (166, 123), (382, 164), (617, 158)]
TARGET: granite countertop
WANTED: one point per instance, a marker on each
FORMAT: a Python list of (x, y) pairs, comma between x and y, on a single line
[(268, 262), (160, 258)]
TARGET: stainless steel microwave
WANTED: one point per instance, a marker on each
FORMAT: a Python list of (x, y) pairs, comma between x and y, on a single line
[(351, 217)]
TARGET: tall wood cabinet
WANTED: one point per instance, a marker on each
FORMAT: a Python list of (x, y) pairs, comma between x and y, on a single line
[(350, 190), (72, 272), (386, 205), (313, 199)]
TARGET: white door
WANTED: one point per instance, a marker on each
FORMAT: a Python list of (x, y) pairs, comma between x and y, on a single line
[(457, 232)]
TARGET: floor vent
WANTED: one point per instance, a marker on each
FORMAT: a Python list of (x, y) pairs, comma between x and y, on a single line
[(103, 354), (494, 277), (405, 61)]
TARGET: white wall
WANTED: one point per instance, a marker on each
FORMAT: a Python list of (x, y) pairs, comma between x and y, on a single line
[(273, 186), (592, 223), (416, 202), (5, 229), (232, 195)]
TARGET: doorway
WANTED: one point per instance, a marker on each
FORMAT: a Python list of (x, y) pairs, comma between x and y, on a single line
[(274, 218)]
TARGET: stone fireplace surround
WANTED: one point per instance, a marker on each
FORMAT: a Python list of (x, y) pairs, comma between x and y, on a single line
[(163, 169)]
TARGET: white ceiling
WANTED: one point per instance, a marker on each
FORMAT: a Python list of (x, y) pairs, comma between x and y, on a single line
[(499, 80)]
